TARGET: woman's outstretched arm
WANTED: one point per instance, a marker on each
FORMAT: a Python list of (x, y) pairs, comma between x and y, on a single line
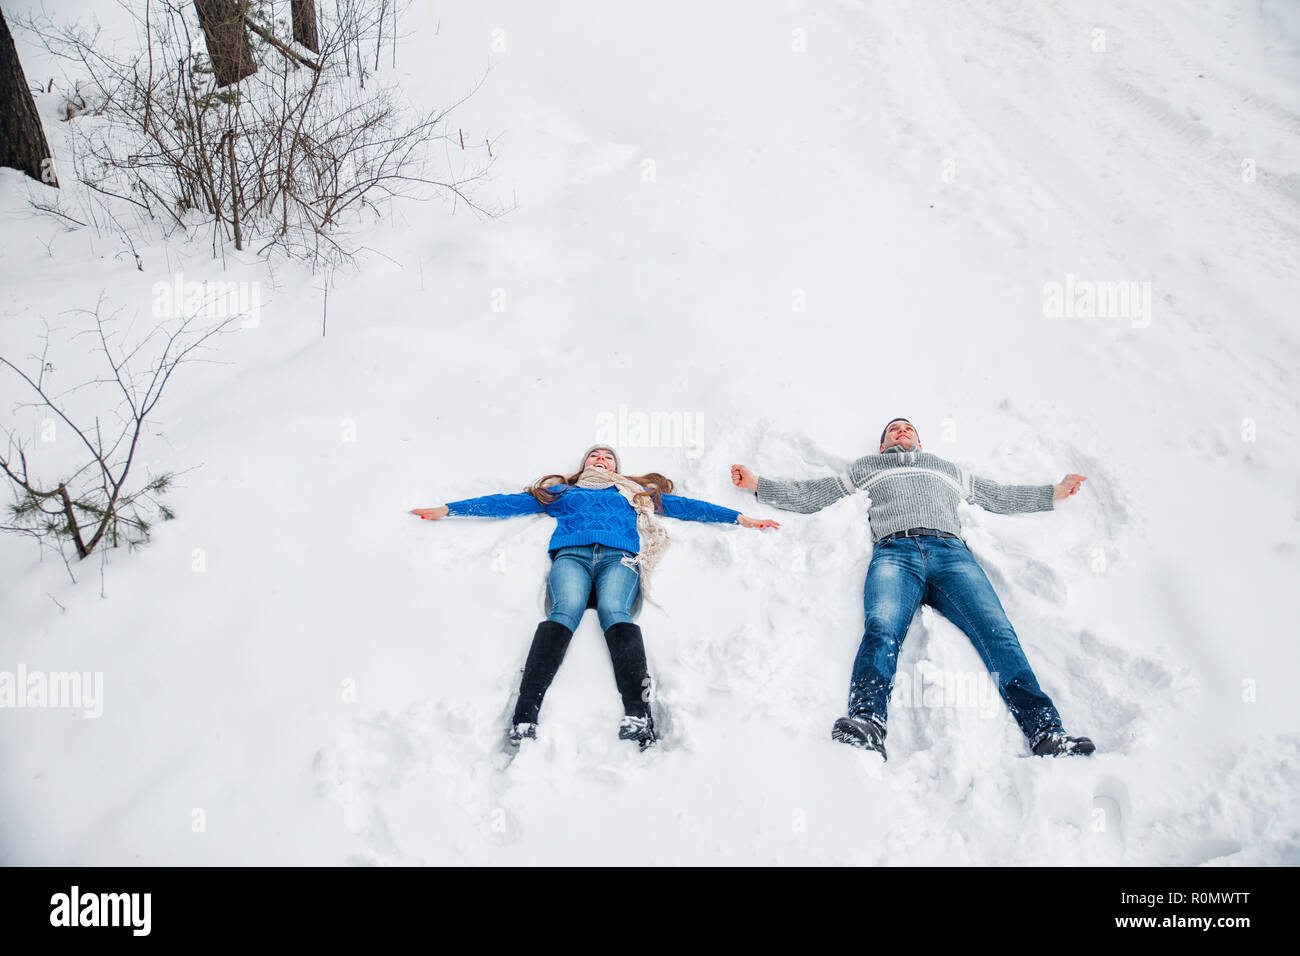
[(487, 506), (692, 509)]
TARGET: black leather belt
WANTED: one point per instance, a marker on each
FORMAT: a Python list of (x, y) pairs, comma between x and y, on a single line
[(921, 533)]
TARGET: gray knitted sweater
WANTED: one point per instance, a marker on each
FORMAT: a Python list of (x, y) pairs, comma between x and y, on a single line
[(908, 489)]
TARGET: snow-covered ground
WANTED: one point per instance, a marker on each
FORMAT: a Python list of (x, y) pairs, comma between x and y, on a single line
[(785, 222)]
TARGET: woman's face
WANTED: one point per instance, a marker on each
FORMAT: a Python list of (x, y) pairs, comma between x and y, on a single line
[(600, 458)]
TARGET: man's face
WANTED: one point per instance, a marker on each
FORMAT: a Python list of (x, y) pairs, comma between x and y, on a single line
[(902, 434), (600, 458)]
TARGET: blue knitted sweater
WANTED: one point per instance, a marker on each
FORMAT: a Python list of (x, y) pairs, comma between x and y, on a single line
[(589, 515)]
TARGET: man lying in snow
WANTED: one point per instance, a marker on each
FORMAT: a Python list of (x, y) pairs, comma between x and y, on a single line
[(920, 557)]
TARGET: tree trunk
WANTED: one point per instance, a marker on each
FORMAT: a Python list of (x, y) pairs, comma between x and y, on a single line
[(304, 24), (228, 46), (234, 191), (22, 138)]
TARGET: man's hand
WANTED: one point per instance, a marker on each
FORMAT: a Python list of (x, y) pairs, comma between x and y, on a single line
[(431, 514), (746, 522), (742, 477), (1069, 485)]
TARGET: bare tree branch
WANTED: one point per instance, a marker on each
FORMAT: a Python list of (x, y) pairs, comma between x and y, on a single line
[(72, 509)]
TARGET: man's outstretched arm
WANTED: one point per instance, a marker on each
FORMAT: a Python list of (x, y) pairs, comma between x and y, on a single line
[(804, 497), (1018, 499)]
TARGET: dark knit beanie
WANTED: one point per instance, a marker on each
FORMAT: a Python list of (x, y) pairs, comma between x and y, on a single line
[(882, 431)]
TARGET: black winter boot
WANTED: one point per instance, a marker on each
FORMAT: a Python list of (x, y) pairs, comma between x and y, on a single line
[(549, 644), (519, 733), (640, 729), (862, 732), (1054, 743), (631, 674)]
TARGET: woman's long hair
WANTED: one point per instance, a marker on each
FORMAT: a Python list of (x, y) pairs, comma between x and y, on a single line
[(654, 484)]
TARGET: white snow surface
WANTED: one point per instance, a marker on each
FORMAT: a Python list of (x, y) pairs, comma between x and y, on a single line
[(680, 175)]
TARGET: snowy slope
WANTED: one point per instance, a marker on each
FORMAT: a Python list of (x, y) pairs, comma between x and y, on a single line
[(825, 175)]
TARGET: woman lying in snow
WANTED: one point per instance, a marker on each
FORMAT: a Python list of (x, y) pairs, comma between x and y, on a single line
[(607, 540)]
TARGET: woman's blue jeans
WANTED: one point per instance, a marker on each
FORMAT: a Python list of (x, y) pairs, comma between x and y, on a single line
[(574, 572), (577, 574), (907, 572)]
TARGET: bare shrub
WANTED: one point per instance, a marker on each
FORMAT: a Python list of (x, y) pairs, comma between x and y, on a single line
[(280, 161)]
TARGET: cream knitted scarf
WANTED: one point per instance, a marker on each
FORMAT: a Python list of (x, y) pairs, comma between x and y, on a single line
[(654, 536)]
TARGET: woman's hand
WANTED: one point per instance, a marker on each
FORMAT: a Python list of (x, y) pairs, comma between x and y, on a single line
[(431, 514), (745, 522), (742, 477), (1069, 485)]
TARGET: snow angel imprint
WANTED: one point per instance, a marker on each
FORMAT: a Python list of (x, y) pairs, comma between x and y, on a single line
[(608, 539)]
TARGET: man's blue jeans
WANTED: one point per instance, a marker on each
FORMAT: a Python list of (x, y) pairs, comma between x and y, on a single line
[(941, 572), (573, 572)]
